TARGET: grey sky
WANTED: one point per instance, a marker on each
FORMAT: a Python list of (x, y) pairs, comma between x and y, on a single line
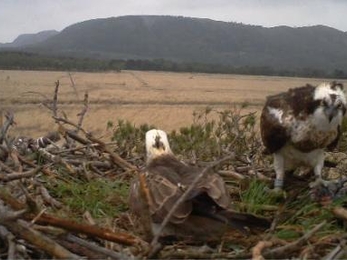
[(31, 16)]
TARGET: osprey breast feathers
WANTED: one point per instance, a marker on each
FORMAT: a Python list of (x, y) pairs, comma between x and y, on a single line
[(308, 117)]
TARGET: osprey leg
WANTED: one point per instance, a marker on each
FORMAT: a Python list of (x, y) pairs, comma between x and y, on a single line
[(279, 169), (317, 169)]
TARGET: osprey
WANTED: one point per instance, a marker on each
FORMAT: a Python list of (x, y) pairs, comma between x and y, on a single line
[(203, 215), (297, 126)]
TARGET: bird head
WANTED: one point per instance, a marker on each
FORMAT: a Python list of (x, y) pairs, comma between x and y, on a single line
[(157, 144), (332, 102)]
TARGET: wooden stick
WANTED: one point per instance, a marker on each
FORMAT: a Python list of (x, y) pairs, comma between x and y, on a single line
[(19, 175), (83, 112), (118, 237), (21, 229), (96, 248), (46, 219), (115, 158), (55, 99), (286, 249), (9, 121), (258, 248)]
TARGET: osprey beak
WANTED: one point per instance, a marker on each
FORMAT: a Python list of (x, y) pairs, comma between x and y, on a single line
[(158, 143), (331, 112)]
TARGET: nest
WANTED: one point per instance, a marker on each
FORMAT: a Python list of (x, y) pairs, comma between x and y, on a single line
[(36, 221)]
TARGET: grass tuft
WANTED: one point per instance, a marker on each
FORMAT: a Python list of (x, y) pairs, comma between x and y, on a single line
[(102, 198)]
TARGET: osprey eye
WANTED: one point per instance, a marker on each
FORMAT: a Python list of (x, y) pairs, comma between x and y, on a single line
[(324, 103)]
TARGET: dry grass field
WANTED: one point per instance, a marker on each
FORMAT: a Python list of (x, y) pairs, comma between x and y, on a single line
[(166, 100)]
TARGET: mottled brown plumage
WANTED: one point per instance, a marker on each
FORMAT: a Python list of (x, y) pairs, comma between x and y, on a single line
[(205, 213), (298, 125)]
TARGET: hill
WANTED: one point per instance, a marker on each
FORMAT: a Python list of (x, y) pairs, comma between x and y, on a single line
[(30, 39), (182, 39)]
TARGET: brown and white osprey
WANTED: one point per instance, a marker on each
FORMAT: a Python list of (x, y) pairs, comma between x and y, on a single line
[(204, 215), (297, 126)]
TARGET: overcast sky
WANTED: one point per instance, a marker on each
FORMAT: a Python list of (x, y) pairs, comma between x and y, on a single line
[(31, 16)]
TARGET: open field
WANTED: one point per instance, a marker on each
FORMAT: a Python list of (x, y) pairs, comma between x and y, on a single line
[(166, 100)]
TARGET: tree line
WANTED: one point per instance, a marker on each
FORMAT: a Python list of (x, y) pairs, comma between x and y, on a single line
[(29, 61)]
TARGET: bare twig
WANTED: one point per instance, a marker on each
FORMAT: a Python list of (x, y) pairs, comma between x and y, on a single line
[(55, 99), (73, 84), (231, 174), (337, 252), (145, 215), (286, 249), (83, 112), (4, 128), (21, 229), (66, 121), (48, 198), (96, 248), (46, 219), (115, 158), (258, 248), (8, 215), (19, 175)]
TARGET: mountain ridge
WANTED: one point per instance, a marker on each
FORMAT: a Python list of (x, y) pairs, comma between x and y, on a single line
[(23, 40), (185, 39)]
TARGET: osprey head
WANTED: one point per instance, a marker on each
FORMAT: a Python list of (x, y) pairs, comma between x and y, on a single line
[(156, 144), (331, 102)]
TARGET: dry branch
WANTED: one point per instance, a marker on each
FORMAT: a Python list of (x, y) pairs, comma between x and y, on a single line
[(115, 158), (55, 99), (5, 126), (83, 112), (48, 198), (118, 237), (257, 250), (96, 248), (287, 249), (19, 175), (46, 219), (22, 229)]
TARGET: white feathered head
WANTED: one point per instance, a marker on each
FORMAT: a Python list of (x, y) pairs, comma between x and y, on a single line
[(157, 144)]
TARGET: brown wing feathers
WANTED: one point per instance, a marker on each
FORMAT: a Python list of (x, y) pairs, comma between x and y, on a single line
[(297, 102), (273, 133), (209, 198), (164, 194), (167, 179)]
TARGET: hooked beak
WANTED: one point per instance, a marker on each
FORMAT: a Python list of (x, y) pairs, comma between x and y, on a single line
[(158, 144), (331, 112)]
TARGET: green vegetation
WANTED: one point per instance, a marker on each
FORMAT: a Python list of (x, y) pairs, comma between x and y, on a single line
[(129, 139), (100, 197)]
